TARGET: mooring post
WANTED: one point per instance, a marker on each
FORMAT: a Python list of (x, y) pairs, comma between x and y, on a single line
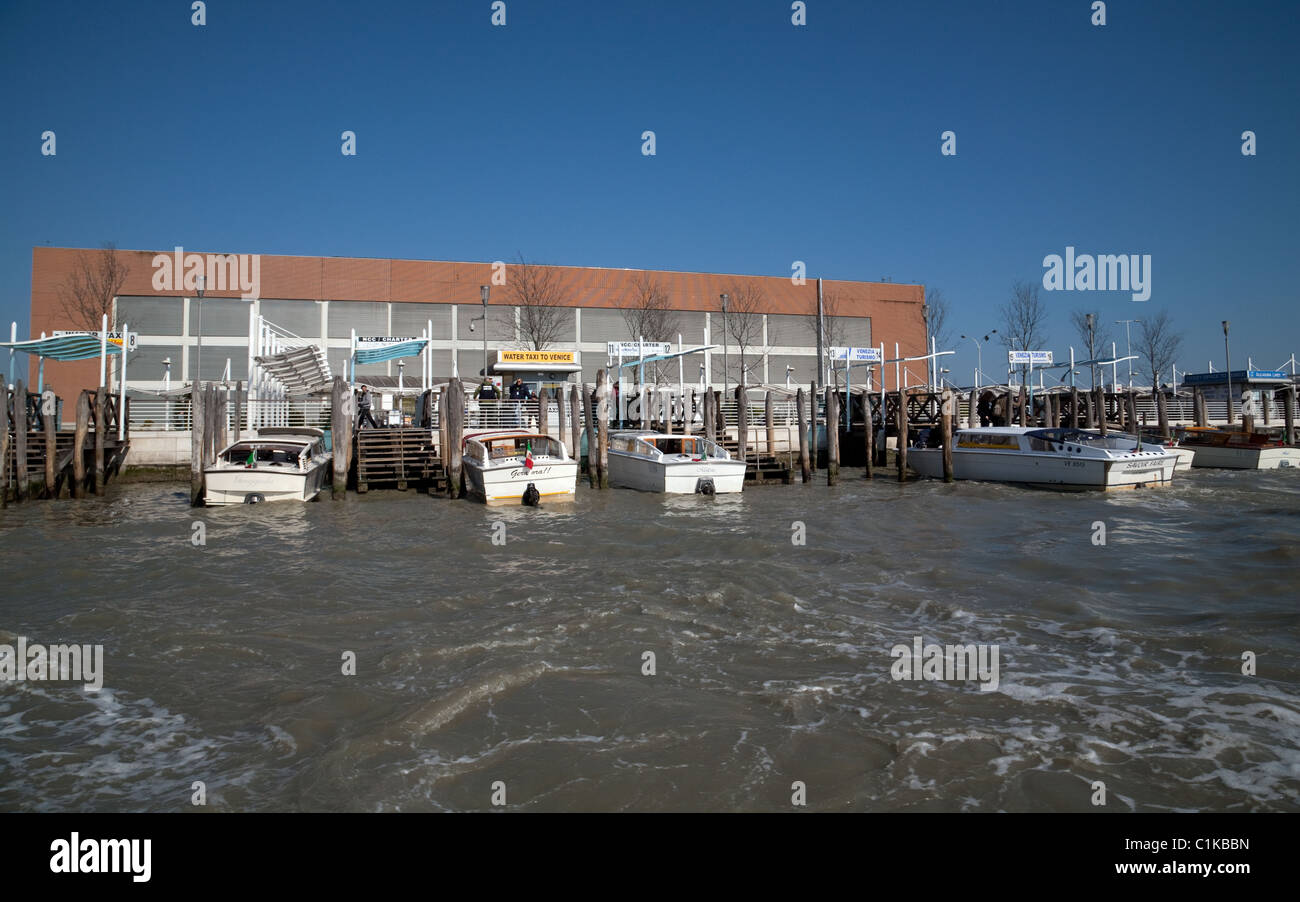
[(543, 411), (455, 395), (101, 431), (79, 446), (1100, 403), (196, 443), (742, 422), (1075, 422), (239, 410), (946, 422), (1132, 400), (768, 408), (592, 451), (575, 420), (803, 436), (868, 437), (602, 429), (1162, 413), (812, 426), (1024, 406), (20, 440), (1264, 405), (1288, 412), (561, 415), (832, 435), (48, 416), (4, 442), (340, 436), (901, 415)]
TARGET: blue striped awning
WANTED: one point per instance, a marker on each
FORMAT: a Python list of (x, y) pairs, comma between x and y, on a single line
[(64, 347), (381, 353)]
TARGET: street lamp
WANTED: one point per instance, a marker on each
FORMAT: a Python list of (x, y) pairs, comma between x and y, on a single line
[(979, 354), (1128, 346), (1227, 353), (483, 292), (925, 318), (725, 385)]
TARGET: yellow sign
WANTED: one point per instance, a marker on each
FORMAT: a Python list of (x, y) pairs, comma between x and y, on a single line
[(542, 357)]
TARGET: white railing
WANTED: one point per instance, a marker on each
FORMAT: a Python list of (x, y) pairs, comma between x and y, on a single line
[(160, 415)]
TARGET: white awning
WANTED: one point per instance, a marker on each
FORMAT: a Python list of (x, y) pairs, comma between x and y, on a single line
[(298, 369)]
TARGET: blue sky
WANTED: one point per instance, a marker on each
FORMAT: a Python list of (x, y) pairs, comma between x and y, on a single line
[(775, 143)]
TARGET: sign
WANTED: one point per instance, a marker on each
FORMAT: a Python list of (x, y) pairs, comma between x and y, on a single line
[(637, 349), (384, 340), (857, 355), (1239, 377), (1033, 358), (542, 357), (132, 341)]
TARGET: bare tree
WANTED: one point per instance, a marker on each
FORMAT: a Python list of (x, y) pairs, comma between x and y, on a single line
[(649, 314), (1158, 344), (744, 321), (834, 328), (95, 279), (937, 318), (1023, 318), (1093, 339), (536, 291)]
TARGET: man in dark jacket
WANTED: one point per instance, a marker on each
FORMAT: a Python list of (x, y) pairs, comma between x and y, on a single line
[(363, 409), (519, 394)]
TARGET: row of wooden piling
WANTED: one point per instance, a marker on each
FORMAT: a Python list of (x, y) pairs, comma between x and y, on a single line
[(21, 477)]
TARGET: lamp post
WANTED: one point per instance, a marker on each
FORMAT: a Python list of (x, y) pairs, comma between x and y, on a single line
[(1128, 346), (1092, 349), (979, 356), (725, 384), (483, 291), (1227, 353), (925, 318), (198, 357)]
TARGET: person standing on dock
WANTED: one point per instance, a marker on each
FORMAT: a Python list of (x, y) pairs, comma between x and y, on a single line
[(363, 409), (519, 394)]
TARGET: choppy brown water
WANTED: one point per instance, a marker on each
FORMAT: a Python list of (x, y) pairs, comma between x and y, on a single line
[(522, 663)]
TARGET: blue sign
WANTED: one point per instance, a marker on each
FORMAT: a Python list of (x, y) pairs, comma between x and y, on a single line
[(1239, 377)]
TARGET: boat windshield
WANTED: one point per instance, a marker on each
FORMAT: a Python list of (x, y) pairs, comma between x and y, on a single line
[(264, 455)]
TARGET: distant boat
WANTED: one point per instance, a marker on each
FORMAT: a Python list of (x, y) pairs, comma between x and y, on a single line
[(280, 464), (517, 466), (1237, 450), (1056, 458), (673, 464)]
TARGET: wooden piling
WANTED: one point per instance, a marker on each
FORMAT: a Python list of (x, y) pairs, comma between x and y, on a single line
[(742, 423), (575, 419), (1133, 425), (812, 425), (832, 435), (4, 442), (48, 416), (340, 436), (802, 412), (602, 429), (946, 421), (1099, 402), (454, 427), (543, 412), (101, 433), (561, 416), (211, 407), (197, 422), (1075, 422), (20, 440), (1024, 406), (1288, 413), (79, 446), (1162, 413), (710, 422), (768, 407), (592, 450), (901, 417), (239, 411), (868, 437), (1264, 406)]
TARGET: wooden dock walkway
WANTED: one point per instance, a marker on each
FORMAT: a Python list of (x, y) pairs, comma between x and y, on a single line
[(398, 458)]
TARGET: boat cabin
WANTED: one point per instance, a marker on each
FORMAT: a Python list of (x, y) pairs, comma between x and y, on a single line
[(511, 447), (651, 445)]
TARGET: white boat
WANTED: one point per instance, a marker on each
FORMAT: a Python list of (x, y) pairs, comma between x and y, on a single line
[(1184, 455), (514, 466), (280, 464), (1057, 458), (1235, 450), (674, 464)]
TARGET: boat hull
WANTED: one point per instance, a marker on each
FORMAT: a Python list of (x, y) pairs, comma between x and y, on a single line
[(554, 480), (675, 477), (1229, 458), (1049, 470), (237, 485)]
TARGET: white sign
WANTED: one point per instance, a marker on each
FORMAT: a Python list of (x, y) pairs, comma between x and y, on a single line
[(856, 355), (132, 340), (1033, 358), (384, 339), (635, 349)]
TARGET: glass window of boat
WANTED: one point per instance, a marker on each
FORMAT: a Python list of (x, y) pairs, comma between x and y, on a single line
[(677, 445), (988, 441), (283, 455)]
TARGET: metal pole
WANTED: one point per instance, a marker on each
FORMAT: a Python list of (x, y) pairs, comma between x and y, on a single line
[(198, 355), (821, 331), (121, 388), (726, 385), (1227, 353)]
